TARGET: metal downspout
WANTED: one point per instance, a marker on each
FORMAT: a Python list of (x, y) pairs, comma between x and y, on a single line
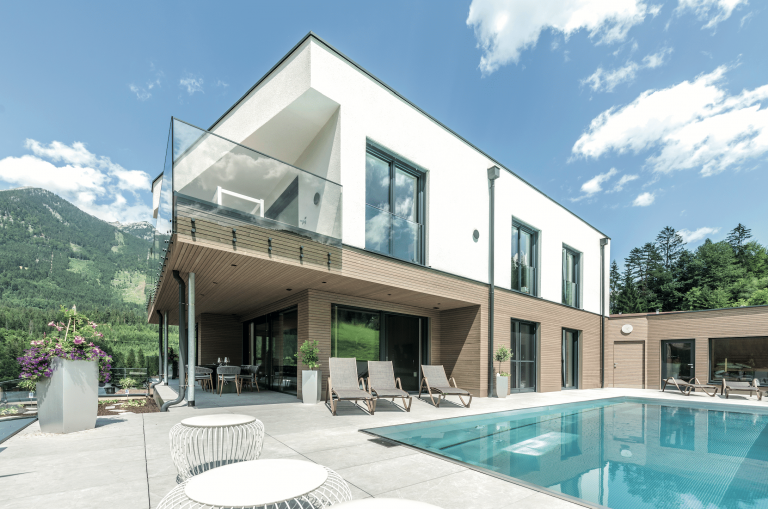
[(182, 343), (165, 347), (603, 243), (191, 339), (159, 353), (493, 174)]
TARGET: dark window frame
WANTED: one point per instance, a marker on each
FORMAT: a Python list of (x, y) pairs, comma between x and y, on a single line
[(577, 269), (710, 357), (534, 256), (396, 163)]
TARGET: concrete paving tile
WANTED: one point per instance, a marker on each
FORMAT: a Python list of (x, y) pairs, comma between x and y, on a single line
[(127, 495), (387, 475), (358, 454), (274, 449), (539, 500), (357, 493), (318, 440), (468, 489), (159, 487)]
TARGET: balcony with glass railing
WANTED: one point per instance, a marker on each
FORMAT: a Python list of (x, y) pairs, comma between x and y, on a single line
[(219, 177), (523, 278), (392, 235), (570, 293)]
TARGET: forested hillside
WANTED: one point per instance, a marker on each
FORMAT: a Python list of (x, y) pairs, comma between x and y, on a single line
[(53, 254), (664, 275)]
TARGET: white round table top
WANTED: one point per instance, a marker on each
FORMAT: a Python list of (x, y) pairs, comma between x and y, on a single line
[(217, 420), (256, 483), (385, 503)]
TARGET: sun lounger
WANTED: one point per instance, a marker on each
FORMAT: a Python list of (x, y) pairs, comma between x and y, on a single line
[(677, 382), (435, 381), (382, 383), (748, 387), (344, 384)]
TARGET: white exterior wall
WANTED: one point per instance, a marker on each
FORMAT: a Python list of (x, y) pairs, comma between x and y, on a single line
[(457, 185)]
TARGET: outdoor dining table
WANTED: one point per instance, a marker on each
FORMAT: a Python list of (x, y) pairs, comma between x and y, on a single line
[(266, 484), (205, 442)]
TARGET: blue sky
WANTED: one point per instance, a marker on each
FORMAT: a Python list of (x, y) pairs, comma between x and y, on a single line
[(634, 114)]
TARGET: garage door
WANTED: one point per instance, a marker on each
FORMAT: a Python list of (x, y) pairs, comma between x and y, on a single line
[(629, 364)]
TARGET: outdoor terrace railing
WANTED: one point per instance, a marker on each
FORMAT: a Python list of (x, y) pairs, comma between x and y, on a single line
[(211, 176)]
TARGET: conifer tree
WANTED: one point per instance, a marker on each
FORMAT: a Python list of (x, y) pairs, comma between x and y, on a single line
[(670, 244)]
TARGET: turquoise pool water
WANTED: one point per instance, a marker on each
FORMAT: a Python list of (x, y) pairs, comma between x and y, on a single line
[(620, 453)]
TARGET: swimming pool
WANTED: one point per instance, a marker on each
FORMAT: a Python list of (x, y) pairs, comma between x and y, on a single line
[(623, 453)]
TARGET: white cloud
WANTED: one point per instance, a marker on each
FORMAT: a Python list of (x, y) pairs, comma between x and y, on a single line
[(595, 184), (141, 94), (711, 11), (624, 180), (644, 200), (220, 83), (692, 124), (192, 84), (692, 236), (93, 183), (505, 28), (608, 80)]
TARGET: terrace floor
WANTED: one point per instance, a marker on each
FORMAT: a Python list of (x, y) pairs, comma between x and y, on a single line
[(125, 461)]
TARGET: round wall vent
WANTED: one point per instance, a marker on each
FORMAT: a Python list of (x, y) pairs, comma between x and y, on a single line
[(317, 198), (626, 328), (476, 235)]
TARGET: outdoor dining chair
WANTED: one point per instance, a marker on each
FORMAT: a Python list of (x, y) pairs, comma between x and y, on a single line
[(204, 376), (344, 384), (383, 384), (228, 374), (435, 381), (251, 377)]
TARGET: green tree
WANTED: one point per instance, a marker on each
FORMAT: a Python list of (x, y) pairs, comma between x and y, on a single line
[(670, 244), (130, 360), (141, 360), (738, 238), (616, 286)]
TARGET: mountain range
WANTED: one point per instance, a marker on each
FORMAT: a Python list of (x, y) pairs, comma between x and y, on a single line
[(52, 253)]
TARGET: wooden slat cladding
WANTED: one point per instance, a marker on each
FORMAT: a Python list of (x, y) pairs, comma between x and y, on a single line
[(220, 336), (613, 333), (699, 326), (629, 369), (459, 349), (552, 318)]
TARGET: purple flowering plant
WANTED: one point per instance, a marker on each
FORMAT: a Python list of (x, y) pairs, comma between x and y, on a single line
[(70, 339)]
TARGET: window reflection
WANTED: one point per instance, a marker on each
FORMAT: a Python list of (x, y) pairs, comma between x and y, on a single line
[(739, 359)]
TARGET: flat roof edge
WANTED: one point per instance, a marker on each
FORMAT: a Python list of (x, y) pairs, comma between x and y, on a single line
[(403, 98), (667, 313)]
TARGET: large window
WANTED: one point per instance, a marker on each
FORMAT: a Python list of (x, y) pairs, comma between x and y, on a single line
[(738, 359), (394, 203), (571, 268), (570, 359), (524, 242)]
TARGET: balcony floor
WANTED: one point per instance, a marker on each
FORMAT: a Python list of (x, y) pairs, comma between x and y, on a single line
[(125, 461)]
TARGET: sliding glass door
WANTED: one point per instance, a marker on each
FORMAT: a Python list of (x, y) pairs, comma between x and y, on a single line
[(522, 376), (369, 335), (271, 342), (570, 359)]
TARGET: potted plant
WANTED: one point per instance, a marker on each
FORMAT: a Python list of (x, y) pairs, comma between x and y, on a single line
[(502, 379), (64, 369), (311, 379), (126, 383)]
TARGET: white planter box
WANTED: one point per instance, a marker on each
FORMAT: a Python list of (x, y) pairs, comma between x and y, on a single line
[(311, 386), (68, 401), (501, 388)]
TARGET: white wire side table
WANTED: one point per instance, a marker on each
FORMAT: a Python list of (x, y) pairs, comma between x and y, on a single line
[(201, 443), (262, 484)]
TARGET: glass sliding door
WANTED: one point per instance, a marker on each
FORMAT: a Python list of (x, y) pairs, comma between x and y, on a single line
[(522, 376), (677, 359), (570, 359), (403, 338), (370, 335), (283, 347)]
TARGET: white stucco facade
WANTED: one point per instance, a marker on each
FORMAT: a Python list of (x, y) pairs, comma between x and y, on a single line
[(317, 110)]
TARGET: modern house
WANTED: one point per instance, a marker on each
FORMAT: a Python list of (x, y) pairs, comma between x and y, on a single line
[(325, 206)]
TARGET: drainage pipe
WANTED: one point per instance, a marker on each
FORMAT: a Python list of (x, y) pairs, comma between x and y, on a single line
[(159, 352), (603, 243), (182, 343), (191, 339), (493, 174), (165, 347)]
